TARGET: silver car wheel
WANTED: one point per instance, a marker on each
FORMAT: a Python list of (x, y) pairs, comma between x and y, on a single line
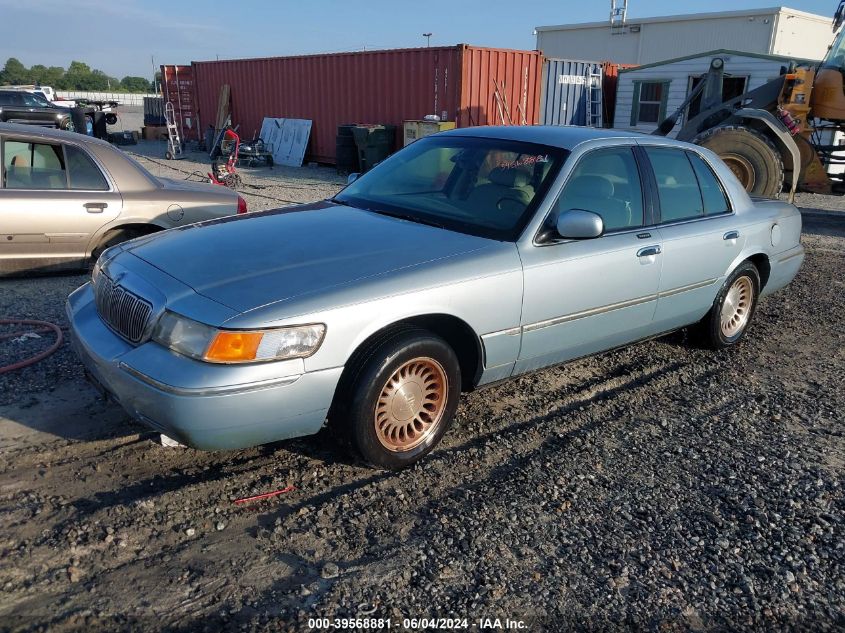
[(736, 308)]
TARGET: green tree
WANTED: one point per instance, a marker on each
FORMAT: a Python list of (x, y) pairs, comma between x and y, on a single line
[(77, 77), (44, 76), (14, 73), (135, 84), (101, 81)]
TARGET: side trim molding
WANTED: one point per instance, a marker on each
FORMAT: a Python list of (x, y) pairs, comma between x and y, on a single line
[(616, 306)]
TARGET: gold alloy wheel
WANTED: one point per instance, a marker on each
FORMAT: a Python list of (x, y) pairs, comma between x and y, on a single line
[(411, 404), (737, 307)]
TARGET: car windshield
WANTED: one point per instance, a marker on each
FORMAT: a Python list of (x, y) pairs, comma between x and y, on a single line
[(35, 100), (482, 186), (836, 55)]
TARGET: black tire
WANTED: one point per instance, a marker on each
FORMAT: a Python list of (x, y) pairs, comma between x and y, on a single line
[(359, 408), (168, 155), (750, 155), (114, 237), (66, 124), (709, 332)]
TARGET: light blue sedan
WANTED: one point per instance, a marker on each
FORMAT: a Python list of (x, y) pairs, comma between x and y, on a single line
[(466, 258)]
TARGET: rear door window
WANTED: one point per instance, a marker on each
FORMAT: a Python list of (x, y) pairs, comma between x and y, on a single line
[(677, 185), (83, 172), (33, 166), (712, 194)]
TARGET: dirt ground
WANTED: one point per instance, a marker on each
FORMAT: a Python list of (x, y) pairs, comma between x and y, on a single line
[(660, 487)]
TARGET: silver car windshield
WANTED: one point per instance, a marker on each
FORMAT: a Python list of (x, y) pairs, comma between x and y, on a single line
[(481, 186)]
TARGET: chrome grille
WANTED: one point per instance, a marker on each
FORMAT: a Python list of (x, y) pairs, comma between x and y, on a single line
[(126, 313)]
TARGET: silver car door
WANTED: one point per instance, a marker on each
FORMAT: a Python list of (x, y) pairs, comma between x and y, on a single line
[(701, 234), (53, 198), (586, 296)]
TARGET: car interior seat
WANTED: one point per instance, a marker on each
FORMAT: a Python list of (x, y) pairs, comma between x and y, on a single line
[(592, 192), (505, 197), (677, 187), (19, 173)]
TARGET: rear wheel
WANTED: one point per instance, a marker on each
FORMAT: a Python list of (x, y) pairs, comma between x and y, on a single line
[(400, 399), (114, 237), (750, 155), (726, 323)]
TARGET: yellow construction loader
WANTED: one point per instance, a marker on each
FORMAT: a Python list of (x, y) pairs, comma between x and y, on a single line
[(781, 131)]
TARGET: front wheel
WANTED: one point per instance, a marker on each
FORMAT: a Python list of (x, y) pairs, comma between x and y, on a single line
[(402, 398), (726, 323)]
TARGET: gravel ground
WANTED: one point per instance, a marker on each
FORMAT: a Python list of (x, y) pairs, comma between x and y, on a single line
[(660, 487)]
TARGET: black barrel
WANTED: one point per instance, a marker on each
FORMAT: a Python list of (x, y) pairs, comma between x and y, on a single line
[(346, 150), (375, 143)]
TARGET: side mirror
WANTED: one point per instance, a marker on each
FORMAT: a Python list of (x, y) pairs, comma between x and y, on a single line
[(577, 224), (352, 178)]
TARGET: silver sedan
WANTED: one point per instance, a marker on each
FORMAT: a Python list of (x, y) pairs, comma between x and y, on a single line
[(67, 197), (468, 257)]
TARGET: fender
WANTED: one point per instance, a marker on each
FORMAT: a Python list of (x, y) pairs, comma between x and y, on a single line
[(781, 136)]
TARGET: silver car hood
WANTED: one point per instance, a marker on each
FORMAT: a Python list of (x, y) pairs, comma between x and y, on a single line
[(248, 261)]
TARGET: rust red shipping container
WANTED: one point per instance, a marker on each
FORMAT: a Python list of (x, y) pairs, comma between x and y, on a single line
[(472, 85)]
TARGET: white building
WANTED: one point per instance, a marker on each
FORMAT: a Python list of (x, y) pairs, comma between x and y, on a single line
[(646, 94), (773, 31)]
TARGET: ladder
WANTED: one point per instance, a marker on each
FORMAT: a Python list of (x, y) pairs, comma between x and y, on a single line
[(593, 96), (174, 140), (618, 15)]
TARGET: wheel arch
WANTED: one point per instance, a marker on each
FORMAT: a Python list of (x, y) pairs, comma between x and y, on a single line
[(460, 336), (760, 261), (143, 228), (763, 265)]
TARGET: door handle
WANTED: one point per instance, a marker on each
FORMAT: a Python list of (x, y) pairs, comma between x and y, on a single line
[(730, 235), (95, 207), (648, 251)]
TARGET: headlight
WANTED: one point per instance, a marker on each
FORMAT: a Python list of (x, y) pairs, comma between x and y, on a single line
[(203, 342)]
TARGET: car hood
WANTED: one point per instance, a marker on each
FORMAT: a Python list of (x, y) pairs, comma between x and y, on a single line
[(249, 261)]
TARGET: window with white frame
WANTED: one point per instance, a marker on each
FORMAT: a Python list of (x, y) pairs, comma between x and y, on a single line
[(649, 102)]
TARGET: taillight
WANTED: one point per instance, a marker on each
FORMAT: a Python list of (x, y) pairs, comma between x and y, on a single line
[(241, 205)]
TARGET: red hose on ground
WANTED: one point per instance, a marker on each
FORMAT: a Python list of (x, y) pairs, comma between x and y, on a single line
[(42, 326)]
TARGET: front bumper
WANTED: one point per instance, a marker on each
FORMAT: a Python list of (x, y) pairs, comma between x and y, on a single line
[(207, 406)]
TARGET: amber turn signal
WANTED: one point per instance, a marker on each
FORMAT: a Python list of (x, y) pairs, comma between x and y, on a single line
[(234, 347)]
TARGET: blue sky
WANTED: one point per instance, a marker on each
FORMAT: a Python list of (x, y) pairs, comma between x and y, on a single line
[(120, 36)]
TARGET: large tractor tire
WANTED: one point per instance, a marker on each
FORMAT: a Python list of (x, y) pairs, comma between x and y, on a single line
[(752, 157)]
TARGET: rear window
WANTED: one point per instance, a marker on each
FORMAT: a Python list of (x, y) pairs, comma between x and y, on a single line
[(84, 174)]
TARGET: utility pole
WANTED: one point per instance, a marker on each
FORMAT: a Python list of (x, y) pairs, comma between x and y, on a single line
[(427, 37), (155, 83)]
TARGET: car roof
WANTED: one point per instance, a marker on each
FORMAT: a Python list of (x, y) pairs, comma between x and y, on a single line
[(49, 133), (563, 136)]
